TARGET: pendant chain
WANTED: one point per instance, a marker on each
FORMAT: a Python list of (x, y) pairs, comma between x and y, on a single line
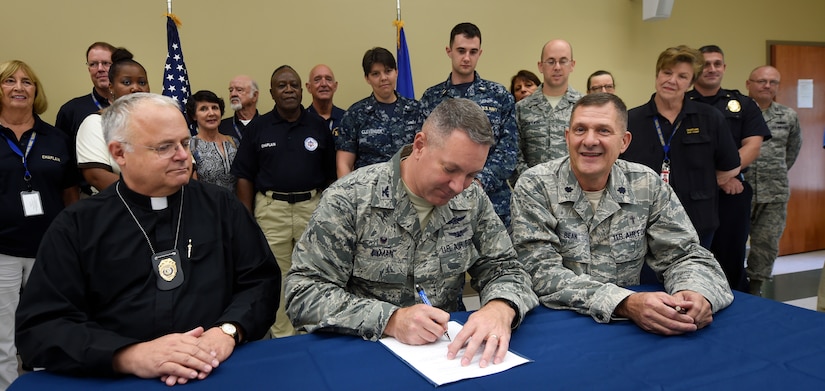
[(180, 214)]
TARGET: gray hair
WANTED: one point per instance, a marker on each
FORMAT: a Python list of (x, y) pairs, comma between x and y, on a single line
[(116, 118), (460, 114), (253, 87)]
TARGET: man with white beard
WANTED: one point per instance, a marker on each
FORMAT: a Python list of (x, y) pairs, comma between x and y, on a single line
[(243, 99)]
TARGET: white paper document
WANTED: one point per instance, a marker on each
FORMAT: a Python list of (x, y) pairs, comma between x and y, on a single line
[(431, 360), (805, 93)]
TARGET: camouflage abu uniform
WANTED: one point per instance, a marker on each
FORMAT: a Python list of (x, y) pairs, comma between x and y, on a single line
[(580, 260), (499, 105), (768, 175), (364, 251), (372, 135), (541, 128)]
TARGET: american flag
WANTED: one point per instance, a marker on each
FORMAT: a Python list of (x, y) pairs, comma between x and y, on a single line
[(175, 76)]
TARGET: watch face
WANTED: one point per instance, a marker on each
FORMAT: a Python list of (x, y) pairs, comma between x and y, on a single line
[(229, 328)]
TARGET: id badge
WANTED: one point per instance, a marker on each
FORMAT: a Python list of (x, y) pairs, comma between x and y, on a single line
[(168, 269), (32, 205), (665, 172)]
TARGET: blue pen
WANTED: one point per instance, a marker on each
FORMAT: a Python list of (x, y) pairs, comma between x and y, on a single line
[(423, 296)]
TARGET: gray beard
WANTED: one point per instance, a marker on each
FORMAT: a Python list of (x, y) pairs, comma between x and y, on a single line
[(235, 106)]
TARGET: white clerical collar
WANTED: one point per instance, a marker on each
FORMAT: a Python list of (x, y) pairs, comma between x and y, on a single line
[(159, 203)]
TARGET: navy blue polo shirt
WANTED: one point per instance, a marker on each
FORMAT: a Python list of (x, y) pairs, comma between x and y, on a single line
[(53, 169), (701, 146), (232, 126), (287, 157), (334, 121), (73, 112)]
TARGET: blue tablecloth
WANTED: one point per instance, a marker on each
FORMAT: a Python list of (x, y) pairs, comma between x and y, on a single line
[(755, 344)]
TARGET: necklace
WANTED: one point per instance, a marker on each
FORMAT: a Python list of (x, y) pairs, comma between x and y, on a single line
[(165, 264), (212, 137)]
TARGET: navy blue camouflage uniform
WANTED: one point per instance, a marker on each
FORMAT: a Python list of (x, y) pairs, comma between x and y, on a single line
[(372, 135), (499, 106)]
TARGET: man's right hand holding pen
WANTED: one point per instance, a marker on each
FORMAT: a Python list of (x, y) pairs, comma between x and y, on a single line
[(488, 328), (417, 325)]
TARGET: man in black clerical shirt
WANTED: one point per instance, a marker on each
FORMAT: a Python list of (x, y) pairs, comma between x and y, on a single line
[(157, 276)]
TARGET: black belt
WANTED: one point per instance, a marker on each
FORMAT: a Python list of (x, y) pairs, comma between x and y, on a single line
[(291, 198)]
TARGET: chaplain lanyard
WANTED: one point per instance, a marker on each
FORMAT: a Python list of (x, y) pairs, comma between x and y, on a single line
[(94, 99), (166, 264), (666, 146), (237, 131), (32, 204)]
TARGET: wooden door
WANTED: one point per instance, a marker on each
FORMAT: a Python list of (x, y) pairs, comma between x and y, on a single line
[(805, 227)]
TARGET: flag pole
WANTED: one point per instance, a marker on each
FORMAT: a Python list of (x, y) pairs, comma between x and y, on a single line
[(169, 6), (405, 83)]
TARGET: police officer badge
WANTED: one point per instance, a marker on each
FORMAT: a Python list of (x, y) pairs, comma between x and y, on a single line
[(734, 106), (310, 144), (168, 270)]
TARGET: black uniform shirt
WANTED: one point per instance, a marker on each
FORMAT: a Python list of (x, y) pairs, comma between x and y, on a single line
[(741, 112), (701, 146), (73, 112), (282, 156), (53, 169), (233, 126)]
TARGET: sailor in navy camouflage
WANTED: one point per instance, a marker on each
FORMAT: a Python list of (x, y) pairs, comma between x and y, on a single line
[(376, 127), (497, 103), (372, 134)]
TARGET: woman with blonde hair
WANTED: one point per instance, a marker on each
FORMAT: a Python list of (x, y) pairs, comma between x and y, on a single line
[(39, 178)]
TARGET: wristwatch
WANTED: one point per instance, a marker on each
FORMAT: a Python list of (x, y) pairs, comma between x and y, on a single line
[(232, 331)]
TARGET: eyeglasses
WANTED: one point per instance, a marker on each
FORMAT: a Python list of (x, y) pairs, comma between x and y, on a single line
[(562, 62), (97, 64), (606, 88), (166, 150), (762, 82)]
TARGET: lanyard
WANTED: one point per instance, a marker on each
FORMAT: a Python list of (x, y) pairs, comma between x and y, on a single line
[(237, 131), (94, 99), (27, 176), (666, 147)]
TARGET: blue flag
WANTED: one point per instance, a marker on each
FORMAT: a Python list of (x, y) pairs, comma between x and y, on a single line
[(405, 81), (175, 77)]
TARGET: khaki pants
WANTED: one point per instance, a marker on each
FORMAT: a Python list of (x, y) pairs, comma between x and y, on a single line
[(283, 224)]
